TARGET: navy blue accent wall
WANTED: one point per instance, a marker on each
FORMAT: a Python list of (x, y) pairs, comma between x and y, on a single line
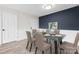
[(67, 19)]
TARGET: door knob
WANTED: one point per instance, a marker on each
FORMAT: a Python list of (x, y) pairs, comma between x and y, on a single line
[(3, 29)]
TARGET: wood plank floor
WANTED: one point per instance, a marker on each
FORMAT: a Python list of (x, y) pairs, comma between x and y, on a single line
[(18, 47)]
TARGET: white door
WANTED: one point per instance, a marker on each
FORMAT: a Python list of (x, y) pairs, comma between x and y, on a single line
[(9, 27), (0, 27)]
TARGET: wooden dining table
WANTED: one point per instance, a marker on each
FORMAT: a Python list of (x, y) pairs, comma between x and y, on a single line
[(56, 38)]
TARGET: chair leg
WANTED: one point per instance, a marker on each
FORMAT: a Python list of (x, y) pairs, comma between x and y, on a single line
[(30, 47), (42, 52), (47, 40), (76, 52), (61, 50), (27, 44), (51, 50), (35, 50)]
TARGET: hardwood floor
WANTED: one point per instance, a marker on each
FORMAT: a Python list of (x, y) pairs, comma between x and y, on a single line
[(18, 47)]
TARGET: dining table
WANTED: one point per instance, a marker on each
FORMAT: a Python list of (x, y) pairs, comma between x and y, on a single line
[(56, 38)]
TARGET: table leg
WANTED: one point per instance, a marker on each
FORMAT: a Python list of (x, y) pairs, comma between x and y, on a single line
[(56, 45), (56, 48), (60, 40)]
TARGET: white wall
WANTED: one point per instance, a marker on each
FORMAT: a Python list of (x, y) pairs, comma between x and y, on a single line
[(69, 35), (0, 26), (24, 22)]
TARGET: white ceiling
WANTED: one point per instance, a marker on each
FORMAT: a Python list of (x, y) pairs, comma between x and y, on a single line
[(36, 9)]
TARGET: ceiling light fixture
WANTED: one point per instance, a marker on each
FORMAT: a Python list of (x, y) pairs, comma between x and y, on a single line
[(47, 6)]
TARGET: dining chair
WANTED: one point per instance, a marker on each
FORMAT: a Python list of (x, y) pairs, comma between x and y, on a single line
[(41, 44), (56, 31), (30, 39), (34, 32), (70, 46)]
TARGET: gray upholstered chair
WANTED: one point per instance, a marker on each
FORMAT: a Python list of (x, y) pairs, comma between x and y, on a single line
[(41, 44), (34, 32), (56, 31), (30, 39), (70, 46)]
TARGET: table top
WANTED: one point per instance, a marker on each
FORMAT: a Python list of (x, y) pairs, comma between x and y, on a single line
[(57, 35)]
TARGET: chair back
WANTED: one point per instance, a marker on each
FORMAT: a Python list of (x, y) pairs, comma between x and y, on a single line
[(34, 32), (76, 40), (39, 40), (56, 31), (29, 36)]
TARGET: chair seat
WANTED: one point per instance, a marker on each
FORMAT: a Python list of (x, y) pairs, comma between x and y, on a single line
[(33, 39), (67, 45), (46, 45)]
